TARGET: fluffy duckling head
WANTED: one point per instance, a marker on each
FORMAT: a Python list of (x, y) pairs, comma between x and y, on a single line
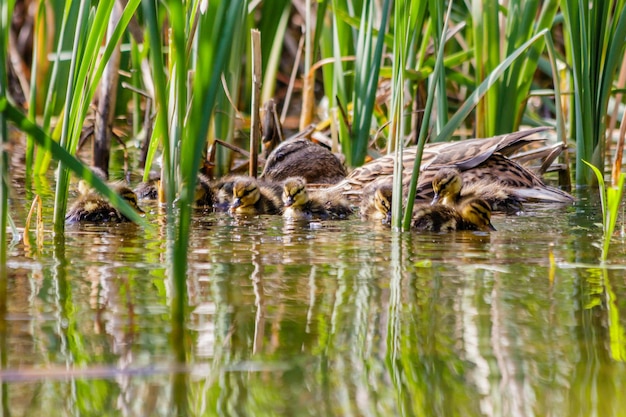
[(376, 203), (447, 186), (245, 193), (294, 192), (382, 202), (477, 213), (130, 197)]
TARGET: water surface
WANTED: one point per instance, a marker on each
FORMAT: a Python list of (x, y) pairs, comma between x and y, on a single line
[(330, 319)]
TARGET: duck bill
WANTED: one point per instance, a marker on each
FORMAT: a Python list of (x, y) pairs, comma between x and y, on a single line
[(490, 227), (387, 219), (236, 203), (435, 199), (289, 201)]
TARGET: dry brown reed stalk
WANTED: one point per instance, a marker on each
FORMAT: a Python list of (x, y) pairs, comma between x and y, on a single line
[(36, 205)]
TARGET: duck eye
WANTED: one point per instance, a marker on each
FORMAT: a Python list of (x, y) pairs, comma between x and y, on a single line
[(280, 156)]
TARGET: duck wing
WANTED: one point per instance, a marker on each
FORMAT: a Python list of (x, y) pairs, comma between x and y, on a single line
[(464, 155)]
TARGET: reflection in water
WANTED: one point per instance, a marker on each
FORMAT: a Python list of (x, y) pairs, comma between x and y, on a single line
[(322, 319)]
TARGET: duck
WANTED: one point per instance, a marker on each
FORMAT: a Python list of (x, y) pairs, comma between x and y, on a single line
[(299, 204), (475, 214), (299, 157), (489, 160), (91, 207), (251, 197)]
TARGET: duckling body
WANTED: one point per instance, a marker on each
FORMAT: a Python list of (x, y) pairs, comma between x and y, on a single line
[(91, 207), (473, 214), (302, 205), (251, 197), (301, 157)]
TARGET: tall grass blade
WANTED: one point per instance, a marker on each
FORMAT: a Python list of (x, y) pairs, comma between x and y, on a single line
[(60, 195)]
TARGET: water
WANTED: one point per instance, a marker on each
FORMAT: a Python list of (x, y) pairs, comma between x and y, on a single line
[(330, 319)]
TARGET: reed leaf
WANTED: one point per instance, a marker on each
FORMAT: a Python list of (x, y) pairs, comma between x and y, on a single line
[(504, 104), (610, 200)]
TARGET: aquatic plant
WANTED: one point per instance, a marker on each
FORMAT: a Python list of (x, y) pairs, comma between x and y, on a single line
[(610, 200), (595, 47)]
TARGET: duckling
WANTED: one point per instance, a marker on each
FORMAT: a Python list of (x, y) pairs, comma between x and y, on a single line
[(302, 205), (94, 208), (376, 202), (439, 218), (301, 157), (251, 197)]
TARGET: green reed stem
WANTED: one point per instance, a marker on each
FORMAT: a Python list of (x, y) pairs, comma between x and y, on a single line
[(400, 46), (406, 222)]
